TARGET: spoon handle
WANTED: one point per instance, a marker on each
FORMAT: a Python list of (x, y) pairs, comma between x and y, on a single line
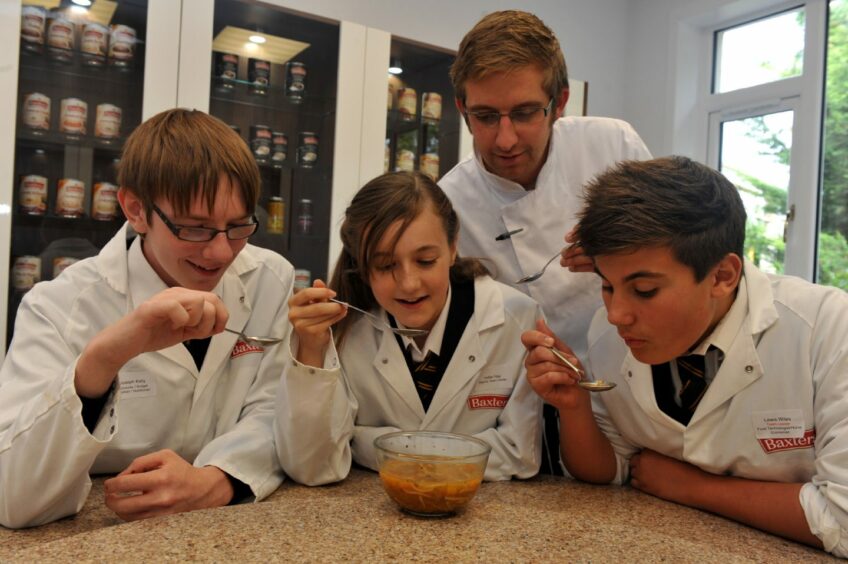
[(567, 362)]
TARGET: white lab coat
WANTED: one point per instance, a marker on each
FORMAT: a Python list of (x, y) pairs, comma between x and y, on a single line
[(221, 415), (488, 205), (325, 416), (791, 354)]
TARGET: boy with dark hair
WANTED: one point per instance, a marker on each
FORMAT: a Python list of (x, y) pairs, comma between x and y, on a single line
[(120, 364), (731, 383)]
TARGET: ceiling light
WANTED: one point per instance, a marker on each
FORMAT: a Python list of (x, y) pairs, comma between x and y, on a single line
[(257, 39), (394, 67)]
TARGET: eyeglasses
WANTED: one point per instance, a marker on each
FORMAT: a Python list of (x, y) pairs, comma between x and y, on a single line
[(204, 234), (521, 116)]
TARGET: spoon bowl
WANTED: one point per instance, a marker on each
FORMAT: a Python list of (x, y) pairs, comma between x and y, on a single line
[(591, 385), (261, 341), (537, 275)]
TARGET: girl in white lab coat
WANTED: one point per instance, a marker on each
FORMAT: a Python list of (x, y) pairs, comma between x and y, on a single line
[(465, 375)]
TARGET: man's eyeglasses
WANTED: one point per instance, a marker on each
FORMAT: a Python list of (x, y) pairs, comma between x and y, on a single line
[(521, 116), (204, 234)]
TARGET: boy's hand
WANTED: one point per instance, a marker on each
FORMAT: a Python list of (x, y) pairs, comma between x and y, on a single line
[(554, 382), (170, 317), (573, 257), (162, 483)]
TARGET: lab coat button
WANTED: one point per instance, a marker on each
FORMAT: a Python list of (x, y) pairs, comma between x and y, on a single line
[(471, 358), (312, 371), (112, 430), (385, 361), (629, 374), (241, 299), (749, 369), (112, 412)]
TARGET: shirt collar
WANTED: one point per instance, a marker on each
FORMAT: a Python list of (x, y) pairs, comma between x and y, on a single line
[(434, 337), (725, 332)]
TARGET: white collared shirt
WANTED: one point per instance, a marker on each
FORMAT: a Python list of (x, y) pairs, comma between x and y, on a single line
[(434, 337)]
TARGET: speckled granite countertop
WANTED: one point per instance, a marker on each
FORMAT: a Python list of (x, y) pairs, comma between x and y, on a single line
[(543, 519)]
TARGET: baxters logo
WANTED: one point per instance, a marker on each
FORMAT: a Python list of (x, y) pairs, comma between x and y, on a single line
[(487, 402), (242, 348), (776, 445)]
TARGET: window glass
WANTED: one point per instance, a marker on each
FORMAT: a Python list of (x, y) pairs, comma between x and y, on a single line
[(755, 155), (759, 52), (833, 233)]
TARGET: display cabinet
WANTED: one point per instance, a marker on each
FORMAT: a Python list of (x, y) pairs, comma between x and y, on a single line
[(79, 94), (422, 123), (274, 80)]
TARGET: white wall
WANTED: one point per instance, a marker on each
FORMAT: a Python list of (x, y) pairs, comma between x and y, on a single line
[(592, 33)]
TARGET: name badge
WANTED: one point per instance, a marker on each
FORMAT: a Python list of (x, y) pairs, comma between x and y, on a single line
[(137, 386), (779, 424)]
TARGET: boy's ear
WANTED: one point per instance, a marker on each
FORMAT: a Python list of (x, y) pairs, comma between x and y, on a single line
[(133, 210), (726, 275)]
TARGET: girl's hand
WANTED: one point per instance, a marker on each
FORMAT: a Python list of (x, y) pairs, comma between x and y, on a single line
[(311, 316)]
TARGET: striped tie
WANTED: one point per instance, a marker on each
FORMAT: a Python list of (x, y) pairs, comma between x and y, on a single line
[(693, 384)]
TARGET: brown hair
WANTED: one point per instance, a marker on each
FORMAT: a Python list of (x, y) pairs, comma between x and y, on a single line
[(672, 201), (383, 201), (504, 41), (181, 154)]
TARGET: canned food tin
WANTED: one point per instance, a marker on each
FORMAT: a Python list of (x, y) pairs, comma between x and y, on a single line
[(60, 38), (33, 26), (104, 201), (107, 121), (407, 103), (36, 111), (32, 197), (69, 197), (26, 272), (259, 76), (276, 215), (302, 279), (295, 81), (226, 71), (279, 148), (260, 142), (405, 160), (73, 115), (429, 165), (121, 45), (61, 263), (94, 44), (307, 149), (431, 106), (304, 217)]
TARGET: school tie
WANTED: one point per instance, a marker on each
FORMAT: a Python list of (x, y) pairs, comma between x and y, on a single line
[(693, 382)]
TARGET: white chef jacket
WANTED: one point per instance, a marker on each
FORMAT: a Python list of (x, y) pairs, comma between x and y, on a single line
[(220, 415), (488, 205), (325, 416), (789, 359)]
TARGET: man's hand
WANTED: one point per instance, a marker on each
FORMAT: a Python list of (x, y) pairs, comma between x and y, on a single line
[(170, 317), (665, 477), (550, 379), (573, 257), (162, 483)]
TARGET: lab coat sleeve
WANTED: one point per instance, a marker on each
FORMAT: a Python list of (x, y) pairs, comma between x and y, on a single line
[(247, 452), (622, 449), (825, 498), (516, 441), (314, 421), (45, 449)]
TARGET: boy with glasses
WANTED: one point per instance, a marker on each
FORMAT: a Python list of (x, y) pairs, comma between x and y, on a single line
[(731, 383), (120, 364), (518, 194)]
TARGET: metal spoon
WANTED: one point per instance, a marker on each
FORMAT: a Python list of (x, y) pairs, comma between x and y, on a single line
[(396, 330), (591, 385), (539, 274), (261, 341)]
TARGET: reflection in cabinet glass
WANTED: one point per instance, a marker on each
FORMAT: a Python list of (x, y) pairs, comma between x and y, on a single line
[(274, 77), (422, 131), (80, 86)]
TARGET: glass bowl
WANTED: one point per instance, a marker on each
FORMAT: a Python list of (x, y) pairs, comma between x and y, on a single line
[(431, 474)]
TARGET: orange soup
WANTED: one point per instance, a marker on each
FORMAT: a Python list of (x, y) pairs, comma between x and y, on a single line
[(425, 487)]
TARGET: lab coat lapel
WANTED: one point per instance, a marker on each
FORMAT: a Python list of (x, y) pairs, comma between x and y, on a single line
[(391, 366)]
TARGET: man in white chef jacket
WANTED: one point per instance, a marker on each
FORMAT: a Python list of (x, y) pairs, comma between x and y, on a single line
[(120, 364), (518, 194), (731, 384)]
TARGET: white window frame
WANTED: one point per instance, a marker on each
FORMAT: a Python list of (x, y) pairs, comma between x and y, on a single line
[(803, 94)]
